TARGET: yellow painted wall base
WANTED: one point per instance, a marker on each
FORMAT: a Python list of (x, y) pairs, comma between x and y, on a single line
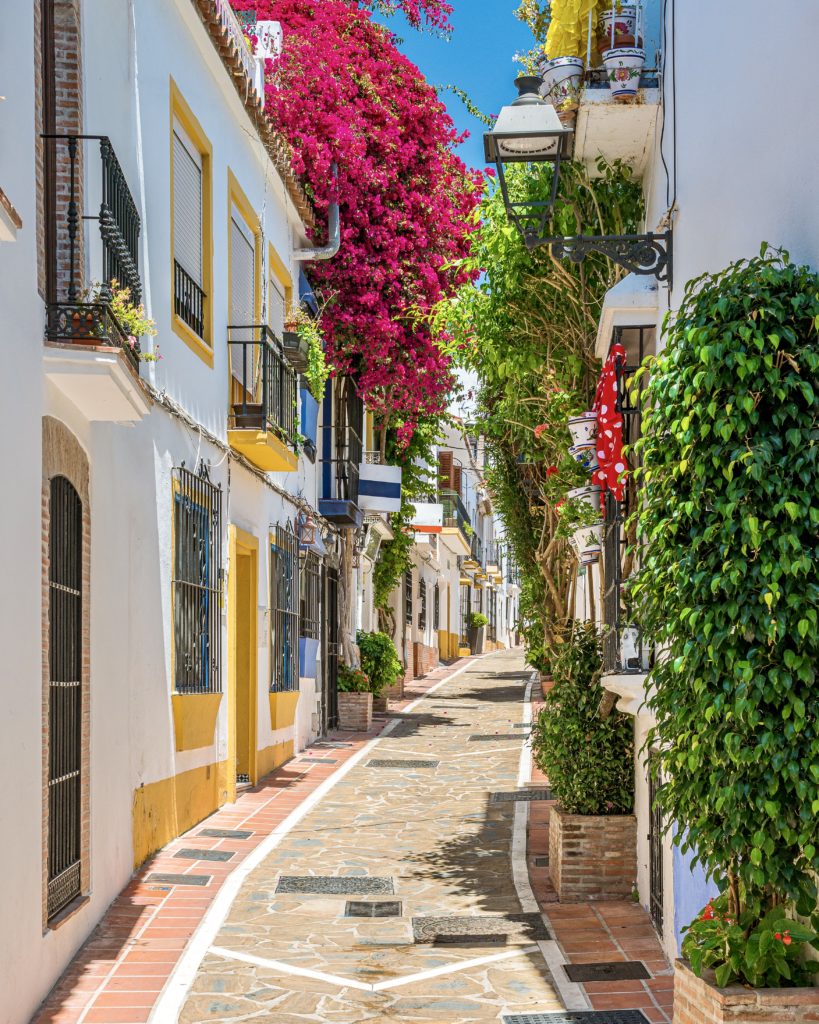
[(283, 709), (464, 652), (264, 449), (194, 719), (164, 810), (272, 757)]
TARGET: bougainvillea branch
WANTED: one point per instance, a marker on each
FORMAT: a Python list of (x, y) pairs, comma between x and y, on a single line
[(341, 92)]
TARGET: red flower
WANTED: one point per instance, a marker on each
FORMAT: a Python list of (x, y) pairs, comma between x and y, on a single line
[(787, 939), (540, 429), (551, 471), (708, 913)]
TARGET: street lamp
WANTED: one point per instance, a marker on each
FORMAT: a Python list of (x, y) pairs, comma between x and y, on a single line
[(529, 131)]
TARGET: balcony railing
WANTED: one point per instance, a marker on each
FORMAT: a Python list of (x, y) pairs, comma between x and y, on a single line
[(188, 300), (263, 383), (477, 549), (76, 311), (455, 513)]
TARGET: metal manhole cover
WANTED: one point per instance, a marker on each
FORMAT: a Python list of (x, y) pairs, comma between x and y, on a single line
[(319, 760), (514, 927), (225, 833), (521, 795), (205, 854), (622, 970), (579, 1017), (386, 908), (386, 763), (470, 940), (541, 862), (498, 736), (333, 886), (336, 744), (171, 879)]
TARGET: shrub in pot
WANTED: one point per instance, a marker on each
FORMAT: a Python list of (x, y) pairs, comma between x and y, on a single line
[(580, 523), (728, 589), (477, 632), (379, 661), (355, 699), (589, 763)]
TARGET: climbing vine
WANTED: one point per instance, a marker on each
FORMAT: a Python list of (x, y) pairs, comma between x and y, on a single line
[(729, 586)]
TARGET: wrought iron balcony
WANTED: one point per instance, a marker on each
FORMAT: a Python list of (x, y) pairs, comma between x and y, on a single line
[(75, 312), (262, 422), (455, 513), (477, 549)]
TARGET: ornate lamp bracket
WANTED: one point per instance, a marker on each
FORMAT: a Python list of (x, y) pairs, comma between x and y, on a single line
[(648, 255)]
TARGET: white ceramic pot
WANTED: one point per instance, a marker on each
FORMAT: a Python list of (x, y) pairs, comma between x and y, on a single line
[(623, 66), (590, 494), (588, 542), (562, 78), (586, 455), (583, 428), (625, 21)]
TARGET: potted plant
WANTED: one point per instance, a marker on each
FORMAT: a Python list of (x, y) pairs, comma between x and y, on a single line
[(624, 65), (130, 317), (618, 26), (562, 81), (300, 338), (590, 494), (355, 699), (583, 428), (580, 523), (586, 455), (477, 632), (588, 761), (379, 661)]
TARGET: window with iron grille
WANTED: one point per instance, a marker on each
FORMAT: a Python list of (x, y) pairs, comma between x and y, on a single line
[(436, 608), (408, 598), (465, 612), (310, 591), (197, 581), (65, 650), (422, 601), (284, 611)]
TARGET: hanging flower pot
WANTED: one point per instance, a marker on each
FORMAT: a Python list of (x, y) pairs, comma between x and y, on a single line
[(588, 542), (586, 455), (562, 78), (583, 428), (623, 66), (625, 26), (590, 494)]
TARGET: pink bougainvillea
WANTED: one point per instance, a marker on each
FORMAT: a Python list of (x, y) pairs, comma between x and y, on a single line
[(342, 92)]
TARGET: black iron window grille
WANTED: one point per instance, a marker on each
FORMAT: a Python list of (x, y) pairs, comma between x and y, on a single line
[(197, 582), (436, 608), (408, 598), (310, 596), (476, 549), (76, 313), (284, 611), (655, 844), (492, 602), (188, 300), (422, 605), (65, 710), (263, 383), (623, 649), (331, 652), (349, 445), (465, 610)]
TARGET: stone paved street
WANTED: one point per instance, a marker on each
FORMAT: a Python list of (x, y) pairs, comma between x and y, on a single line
[(443, 849)]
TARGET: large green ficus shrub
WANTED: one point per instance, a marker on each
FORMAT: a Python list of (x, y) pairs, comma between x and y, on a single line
[(379, 660), (728, 590), (587, 759)]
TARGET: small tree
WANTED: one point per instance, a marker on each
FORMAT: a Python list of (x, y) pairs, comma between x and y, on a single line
[(729, 589), (587, 759)]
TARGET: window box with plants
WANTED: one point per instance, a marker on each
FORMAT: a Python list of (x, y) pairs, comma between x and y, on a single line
[(477, 632), (588, 761), (728, 590)]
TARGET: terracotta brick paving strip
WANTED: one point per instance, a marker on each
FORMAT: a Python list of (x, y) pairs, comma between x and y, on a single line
[(600, 931), (119, 972)]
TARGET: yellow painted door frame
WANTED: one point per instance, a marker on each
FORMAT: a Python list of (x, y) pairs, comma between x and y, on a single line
[(242, 631)]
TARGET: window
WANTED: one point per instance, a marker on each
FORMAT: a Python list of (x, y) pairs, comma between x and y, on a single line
[(408, 598), (284, 612), (422, 600), (65, 711), (310, 591), (197, 581), (276, 305), (465, 612), (242, 271), (190, 227)]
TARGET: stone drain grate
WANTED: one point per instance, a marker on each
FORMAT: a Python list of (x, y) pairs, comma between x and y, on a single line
[(214, 855), (521, 795), (387, 763), (331, 885), (623, 970), (386, 908), (497, 736), (579, 1017), (170, 879), (224, 833), (498, 930)]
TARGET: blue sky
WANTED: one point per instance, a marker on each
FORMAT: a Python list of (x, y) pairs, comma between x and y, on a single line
[(477, 59)]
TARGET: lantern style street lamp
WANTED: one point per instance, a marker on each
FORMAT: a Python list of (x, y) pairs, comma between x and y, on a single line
[(529, 131)]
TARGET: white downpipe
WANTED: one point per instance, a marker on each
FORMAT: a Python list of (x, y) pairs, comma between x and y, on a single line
[(326, 252)]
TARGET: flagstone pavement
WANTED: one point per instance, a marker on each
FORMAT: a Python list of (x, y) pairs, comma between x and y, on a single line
[(426, 837)]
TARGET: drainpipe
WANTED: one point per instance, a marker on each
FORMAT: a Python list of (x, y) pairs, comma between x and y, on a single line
[(326, 252)]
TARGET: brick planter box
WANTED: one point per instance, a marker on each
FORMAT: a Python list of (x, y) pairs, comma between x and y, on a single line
[(355, 711), (592, 857), (699, 1001)]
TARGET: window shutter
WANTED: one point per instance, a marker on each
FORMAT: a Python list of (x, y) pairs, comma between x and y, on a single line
[(276, 309), (242, 295), (187, 206), (445, 470), (456, 479)]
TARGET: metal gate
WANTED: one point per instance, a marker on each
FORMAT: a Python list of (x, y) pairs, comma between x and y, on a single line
[(655, 844), (331, 652), (64, 694)]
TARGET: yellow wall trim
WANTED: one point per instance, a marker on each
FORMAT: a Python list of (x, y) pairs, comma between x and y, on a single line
[(164, 810), (272, 757), (283, 709), (241, 543), (264, 450), (194, 719)]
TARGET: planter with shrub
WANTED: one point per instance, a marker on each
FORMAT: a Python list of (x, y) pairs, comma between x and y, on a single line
[(477, 632), (588, 761), (355, 700), (728, 590), (379, 661)]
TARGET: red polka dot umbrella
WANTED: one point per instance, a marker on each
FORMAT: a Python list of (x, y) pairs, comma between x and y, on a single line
[(612, 470)]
